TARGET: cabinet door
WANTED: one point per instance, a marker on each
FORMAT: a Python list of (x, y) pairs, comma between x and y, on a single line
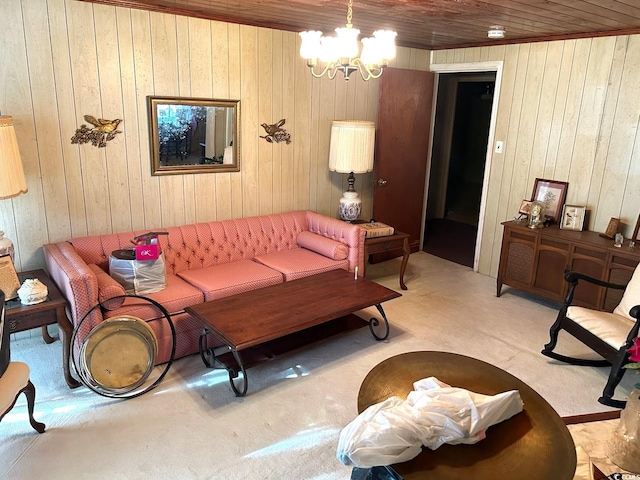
[(591, 262), (619, 270), (551, 262), (516, 258)]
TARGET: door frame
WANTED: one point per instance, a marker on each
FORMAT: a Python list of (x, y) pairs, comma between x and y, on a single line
[(488, 66)]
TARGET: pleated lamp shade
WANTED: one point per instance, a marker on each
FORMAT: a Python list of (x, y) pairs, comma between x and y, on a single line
[(352, 146), (12, 180)]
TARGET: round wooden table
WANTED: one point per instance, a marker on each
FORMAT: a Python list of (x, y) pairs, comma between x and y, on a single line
[(534, 444)]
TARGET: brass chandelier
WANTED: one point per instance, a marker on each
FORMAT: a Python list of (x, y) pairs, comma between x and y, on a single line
[(341, 52)]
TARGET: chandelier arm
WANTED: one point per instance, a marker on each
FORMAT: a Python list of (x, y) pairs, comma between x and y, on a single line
[(365, 72), (321, 74), (333, 72)]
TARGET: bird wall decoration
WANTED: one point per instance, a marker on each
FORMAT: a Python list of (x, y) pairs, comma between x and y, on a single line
[(275, 132), (101, 132)]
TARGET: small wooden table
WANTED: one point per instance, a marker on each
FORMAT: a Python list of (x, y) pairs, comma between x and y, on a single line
[(249, 319), (25, 317), (397, 241)]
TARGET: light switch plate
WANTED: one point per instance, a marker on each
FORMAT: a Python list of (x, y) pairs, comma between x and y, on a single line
[(499, 145)]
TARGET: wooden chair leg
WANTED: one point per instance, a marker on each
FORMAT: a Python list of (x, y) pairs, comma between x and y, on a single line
[(554, 331), (615, 376), (30, 392)]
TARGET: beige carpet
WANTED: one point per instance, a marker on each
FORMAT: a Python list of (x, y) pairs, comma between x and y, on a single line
[(287, 427)]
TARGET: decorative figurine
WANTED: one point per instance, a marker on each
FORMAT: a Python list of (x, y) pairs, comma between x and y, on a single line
[(32, 291), (618, 239), (275, 132), (102, 131)]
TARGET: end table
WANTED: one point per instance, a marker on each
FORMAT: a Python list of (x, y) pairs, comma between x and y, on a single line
[(397, 241), (24, 317)]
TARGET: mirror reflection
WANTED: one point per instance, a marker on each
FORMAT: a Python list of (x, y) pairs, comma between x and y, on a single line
[(190, 135)]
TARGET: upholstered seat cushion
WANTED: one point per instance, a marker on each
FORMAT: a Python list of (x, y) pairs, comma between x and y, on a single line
[(610, 327), (218, 281), (177, 295), (300, 262), (15, 378)]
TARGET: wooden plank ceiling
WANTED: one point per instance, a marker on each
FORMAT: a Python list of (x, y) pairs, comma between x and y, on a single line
[(427, 24)]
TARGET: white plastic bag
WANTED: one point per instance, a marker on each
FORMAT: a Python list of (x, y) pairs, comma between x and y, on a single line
[(139, 277), (435, 413)]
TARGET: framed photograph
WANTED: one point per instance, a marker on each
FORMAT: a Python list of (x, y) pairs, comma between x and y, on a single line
[(612, 228), (573, 217), (193, 135), (552, 194), (636, 231), (525, 207)]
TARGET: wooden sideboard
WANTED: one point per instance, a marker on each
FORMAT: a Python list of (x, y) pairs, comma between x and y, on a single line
[(534, 260)]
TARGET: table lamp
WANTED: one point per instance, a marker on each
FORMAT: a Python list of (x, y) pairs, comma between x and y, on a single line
[(12, 182), (351, 151)]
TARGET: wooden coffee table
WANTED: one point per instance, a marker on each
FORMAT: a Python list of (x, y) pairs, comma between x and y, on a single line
[(249, 319)]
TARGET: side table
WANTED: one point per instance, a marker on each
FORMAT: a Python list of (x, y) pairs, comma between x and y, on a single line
[(24, 317), (397, 241)]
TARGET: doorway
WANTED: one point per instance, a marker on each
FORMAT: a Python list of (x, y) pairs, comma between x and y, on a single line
[(461, 133)]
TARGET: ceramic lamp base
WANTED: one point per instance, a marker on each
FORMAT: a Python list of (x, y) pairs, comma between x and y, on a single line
[(350, 206)]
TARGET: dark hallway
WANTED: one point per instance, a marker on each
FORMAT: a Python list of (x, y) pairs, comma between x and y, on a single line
[(461, 132)]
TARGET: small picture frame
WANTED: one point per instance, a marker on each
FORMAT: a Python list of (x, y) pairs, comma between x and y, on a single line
[(612, 228), (552, 194), (525, 207), (573, 217)]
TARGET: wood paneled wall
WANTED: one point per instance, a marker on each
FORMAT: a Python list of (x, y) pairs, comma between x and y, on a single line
[(568, 111), (63, 59)]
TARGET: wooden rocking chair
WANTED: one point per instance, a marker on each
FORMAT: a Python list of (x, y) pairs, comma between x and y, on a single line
[(608, 334)]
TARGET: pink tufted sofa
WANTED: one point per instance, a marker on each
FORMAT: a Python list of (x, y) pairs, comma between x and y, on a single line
[(204, 261)]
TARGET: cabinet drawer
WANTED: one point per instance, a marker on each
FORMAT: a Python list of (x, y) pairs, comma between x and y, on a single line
[(523, 237), (618, 259), (385, 246), (552, 244)]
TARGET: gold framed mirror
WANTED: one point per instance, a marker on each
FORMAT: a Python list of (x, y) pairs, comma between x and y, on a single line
[(193, 135)]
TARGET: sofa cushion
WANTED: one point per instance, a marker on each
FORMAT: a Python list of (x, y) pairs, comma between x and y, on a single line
[(323, 245), (107, 286), (226, 279), (174, 298), (300, 262)]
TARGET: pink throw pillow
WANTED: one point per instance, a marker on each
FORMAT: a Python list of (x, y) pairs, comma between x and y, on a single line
[(323, 245), (107, 286)]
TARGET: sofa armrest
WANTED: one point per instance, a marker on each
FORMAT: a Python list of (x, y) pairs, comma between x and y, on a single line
[(77, 283), (347, 233)]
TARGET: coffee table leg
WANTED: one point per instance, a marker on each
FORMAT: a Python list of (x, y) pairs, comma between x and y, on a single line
[(209, 357), (374, 322), (233, 373)]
